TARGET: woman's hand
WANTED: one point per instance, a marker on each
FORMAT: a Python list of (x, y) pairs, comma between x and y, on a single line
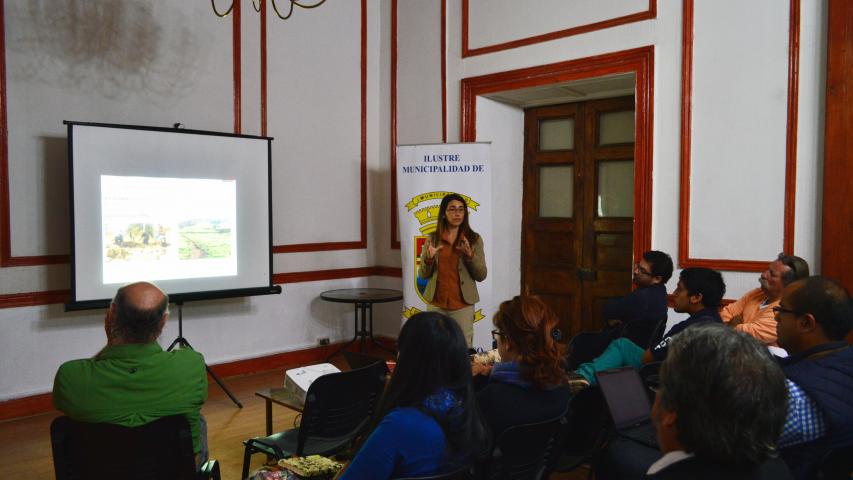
[(465, 248), (478, 368), (431, 251)]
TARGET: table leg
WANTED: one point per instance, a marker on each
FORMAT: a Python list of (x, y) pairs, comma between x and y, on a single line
[(363, 331), (269, 416), (371, 334)]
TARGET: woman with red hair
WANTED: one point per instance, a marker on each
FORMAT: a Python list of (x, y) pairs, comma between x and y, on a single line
[(529, 384)]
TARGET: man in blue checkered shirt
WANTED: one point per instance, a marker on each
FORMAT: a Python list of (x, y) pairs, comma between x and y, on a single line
[(813, 317)]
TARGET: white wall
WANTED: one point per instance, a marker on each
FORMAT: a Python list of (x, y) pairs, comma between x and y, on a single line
[(740, 67), (155, 63), (63, 64)]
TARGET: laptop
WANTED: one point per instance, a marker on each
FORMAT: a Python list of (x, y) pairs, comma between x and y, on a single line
[(357, 360), (628, 404)]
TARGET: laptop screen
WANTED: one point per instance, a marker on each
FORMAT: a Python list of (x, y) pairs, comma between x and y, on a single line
[(625, 396)]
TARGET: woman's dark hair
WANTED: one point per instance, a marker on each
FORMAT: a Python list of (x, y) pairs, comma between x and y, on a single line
[(433, 355), (464, 229), (728, 393), (530, 327)]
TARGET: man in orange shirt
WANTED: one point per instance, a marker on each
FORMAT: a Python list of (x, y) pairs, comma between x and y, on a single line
[(753, 312)]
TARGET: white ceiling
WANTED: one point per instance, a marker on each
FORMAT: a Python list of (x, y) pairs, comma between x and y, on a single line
[(574, 91)]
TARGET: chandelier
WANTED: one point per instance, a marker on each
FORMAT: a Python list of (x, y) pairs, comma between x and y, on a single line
[(257, 6)]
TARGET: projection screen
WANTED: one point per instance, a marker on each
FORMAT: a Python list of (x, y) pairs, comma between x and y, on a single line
[(188, 210)]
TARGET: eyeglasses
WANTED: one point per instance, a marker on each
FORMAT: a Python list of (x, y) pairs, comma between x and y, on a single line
[(497, 333), (642, 270), (778, 310), (456, 210)]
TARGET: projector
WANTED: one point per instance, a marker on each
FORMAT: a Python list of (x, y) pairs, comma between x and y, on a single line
[(297, 380)]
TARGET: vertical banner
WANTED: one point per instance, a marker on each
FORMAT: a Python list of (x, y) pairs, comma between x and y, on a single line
[(425, 174)]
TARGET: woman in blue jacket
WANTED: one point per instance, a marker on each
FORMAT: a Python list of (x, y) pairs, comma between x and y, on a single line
[(428, 420)]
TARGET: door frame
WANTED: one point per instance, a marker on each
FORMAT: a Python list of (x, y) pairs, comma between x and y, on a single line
[(639, 61)]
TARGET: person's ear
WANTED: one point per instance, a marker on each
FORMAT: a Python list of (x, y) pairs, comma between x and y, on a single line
[(162, 323), (695, 299), (657, 279), (669, 418), (109, 319), (807, 322)]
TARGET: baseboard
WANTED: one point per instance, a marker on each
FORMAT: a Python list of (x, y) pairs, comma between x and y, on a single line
[(43, 402)]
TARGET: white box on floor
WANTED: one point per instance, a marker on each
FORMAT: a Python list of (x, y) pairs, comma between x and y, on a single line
[(297, 380)]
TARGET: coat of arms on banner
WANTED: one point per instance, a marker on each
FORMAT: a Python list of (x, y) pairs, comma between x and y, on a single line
[(424, 207)]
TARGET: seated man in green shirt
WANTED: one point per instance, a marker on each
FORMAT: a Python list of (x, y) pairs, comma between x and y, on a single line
[(132, 380)]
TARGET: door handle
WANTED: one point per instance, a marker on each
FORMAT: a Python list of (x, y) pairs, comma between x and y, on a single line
[(586, 274)]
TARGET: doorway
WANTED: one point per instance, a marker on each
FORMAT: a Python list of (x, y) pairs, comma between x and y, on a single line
[(578, 207), (584, 77)]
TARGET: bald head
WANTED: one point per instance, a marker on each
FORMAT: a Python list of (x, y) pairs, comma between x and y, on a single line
[(138, 313)]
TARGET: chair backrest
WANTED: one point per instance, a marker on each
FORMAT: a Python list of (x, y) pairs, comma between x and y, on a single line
[(585, 346), (650, 375), (524, 451), (339, 405), (588, 424), (357, 360), (157, 450), (836, 465)]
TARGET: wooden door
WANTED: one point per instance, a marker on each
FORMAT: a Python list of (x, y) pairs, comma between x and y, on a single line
[(578, 214)]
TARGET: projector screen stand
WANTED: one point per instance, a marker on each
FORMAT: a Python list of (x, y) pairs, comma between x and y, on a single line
[(184, 343)]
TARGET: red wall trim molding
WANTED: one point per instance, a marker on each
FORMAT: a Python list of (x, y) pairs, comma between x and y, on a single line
[(640, 61), (684, 259), (649, 13), (361, 243), (30, 299), (43, 402), (836, 230), (444, 71), (317, 275), (6, 258), (395, 234), (236, 63)]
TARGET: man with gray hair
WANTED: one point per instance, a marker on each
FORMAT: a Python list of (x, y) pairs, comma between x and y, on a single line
[(753, 312), (132, 380), (720, 408)]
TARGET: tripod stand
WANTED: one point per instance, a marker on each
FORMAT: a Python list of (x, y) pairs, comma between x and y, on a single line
[(184, 343)]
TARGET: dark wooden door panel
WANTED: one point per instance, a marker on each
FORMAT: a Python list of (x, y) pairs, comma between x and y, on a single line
[(578, 260)]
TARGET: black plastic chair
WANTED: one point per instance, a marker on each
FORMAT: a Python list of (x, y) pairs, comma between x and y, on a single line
[(154, 451), (836, 465), (586, 430), (525, 451), (337, 407), (461, 473), (585, 346), (650, 375)]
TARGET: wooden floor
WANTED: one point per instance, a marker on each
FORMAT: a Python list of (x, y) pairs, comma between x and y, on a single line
[(25, 443)]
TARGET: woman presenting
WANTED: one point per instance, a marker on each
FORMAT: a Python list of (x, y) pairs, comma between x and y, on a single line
[(453, 261)]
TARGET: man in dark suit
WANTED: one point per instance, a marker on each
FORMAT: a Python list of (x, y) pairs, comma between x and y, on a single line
[(720, 408), (636, 315)]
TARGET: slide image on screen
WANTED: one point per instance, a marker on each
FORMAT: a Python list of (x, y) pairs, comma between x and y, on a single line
[(167, 228)]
